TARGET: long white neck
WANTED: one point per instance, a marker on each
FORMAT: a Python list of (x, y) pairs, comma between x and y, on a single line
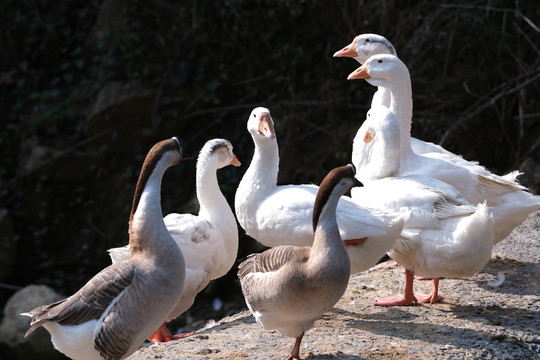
[(381, 97), (401, 105), (261, 176), (213, 205)]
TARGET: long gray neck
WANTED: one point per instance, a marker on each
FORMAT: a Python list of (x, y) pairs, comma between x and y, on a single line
[(146, 223), (328, 249)]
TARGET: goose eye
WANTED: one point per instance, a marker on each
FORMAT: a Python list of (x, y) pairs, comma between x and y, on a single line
[(367, 40), (379, 61), (254, 115)]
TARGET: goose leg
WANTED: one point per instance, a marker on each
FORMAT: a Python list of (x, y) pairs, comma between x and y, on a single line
[(433, 296), (405, 299), (162, 334), (295, 352)]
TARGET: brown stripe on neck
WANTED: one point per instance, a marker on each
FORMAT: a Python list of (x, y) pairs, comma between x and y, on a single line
[(152, 158), (325, 189)]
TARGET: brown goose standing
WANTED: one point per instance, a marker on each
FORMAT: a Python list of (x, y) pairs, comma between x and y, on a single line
[(209, 240), (289, 287), (110, 316)]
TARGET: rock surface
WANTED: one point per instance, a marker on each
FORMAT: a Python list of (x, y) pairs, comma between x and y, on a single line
[(475, 320), (13, 344)]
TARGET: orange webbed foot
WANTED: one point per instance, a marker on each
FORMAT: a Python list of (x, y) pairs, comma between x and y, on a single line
[(162, 334)]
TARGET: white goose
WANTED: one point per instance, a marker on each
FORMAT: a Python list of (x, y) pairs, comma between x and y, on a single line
[(362, 48), (289, 287), (209, 240), (281, 215), (509, 203), (444, 235), (110, 316)]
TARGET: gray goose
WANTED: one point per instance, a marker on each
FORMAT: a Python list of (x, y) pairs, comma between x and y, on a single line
[(110, 316), (208, 241), (289, 287)]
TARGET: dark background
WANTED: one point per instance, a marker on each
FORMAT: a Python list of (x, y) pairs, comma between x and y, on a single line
[(86, 88)]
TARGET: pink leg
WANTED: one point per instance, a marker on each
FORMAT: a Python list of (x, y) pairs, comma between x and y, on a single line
[(433, 296), (295, 352), (406, 299), (162, 334)]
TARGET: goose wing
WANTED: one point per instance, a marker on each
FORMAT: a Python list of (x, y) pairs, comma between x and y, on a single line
[(287, 214), (261, 273), (89, 302)]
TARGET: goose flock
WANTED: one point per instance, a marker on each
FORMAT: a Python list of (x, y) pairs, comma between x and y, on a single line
[(433, 212)]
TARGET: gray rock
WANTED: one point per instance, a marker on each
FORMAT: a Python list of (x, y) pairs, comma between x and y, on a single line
[(14, 326)]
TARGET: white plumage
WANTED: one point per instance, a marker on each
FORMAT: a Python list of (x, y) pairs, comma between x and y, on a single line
[(278, 215), (444, 235), (507, 200)]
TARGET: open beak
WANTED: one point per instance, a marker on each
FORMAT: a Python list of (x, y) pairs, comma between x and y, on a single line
[(266, 127), (235, 161), (347, 51), (360, 73)]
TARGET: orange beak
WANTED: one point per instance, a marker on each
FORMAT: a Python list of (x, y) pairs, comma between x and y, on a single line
[(265, 126), (235, 161), (347, 51), (360, 73)]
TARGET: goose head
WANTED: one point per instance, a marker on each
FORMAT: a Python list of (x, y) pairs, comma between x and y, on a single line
[(260, 124), (221, 151), (334, 185), (366, 45), (381, 70), (167, 152), (376, 150)]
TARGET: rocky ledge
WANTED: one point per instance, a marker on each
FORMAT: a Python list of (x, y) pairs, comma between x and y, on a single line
[(478, 318)]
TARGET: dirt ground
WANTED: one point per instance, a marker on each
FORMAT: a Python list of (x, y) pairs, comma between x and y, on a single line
[(477, 318)]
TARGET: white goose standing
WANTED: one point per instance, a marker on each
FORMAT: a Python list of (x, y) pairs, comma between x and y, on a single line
[(110, 316), (281, 215), (362, 48), (289, 287), (209, 240), (444, 235), (508, 201)]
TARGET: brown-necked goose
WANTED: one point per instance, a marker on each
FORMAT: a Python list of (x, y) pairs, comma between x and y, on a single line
[(110, 316), (289, 287), (209, 240)]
